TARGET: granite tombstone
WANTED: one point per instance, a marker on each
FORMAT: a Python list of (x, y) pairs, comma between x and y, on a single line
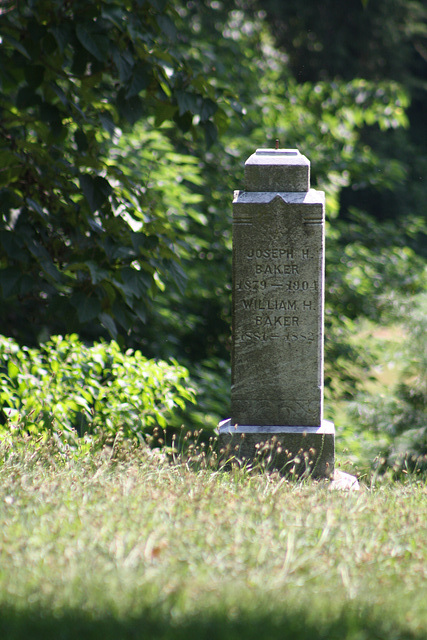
[(277, 342)]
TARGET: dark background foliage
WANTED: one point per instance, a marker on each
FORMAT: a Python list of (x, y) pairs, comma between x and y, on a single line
[(73, 76)]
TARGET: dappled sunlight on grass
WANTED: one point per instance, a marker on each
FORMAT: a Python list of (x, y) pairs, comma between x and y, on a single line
[(132, 541)]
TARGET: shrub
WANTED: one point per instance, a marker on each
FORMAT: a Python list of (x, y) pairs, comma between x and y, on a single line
[(72, 389), (394, 416)]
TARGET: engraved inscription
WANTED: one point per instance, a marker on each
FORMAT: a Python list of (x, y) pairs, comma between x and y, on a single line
[(251, 336), (276, 305), (256, 336), (276, 269), (271, 268), (251, 285), (276, 321), (284, 253), (301, 285), (274, 254), (277, 310)]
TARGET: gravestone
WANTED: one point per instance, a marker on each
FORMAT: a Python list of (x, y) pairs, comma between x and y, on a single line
[(277, 345)]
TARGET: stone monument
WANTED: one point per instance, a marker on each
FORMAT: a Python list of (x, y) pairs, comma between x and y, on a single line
[(278, 292)]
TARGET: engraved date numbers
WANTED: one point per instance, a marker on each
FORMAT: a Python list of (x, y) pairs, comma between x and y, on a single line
[(301, 285), (251, 285)]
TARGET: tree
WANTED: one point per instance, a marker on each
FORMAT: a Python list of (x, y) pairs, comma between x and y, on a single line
[(80, 243), (379, 41)]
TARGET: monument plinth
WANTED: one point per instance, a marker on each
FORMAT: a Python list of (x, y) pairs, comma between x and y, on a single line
[(278, 292)]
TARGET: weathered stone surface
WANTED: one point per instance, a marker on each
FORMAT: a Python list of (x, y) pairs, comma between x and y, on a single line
[(277, 170), (277, 354), (289, 450)]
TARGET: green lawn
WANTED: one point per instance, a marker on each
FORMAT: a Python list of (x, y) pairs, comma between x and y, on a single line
[(135, 547)]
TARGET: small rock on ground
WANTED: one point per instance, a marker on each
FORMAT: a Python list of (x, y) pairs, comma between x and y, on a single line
[(344, 482)]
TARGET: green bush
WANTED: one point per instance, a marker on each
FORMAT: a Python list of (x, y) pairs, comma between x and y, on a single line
[(408, 427), (71, 389), (391, 415)]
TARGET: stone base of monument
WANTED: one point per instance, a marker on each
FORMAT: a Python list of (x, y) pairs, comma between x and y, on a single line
[(293, 451)]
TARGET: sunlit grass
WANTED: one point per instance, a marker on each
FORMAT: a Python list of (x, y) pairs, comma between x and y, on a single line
[(128, 544)]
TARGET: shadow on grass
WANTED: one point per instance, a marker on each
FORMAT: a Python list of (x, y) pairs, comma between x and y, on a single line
[(34, 624)]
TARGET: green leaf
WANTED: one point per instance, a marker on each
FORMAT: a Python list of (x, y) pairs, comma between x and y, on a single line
[(26, 284), (187, 102), (208, 109), (97, 273), (221, 120), (50, 114), (87, 307), (81, 140), (140, 308), (167, 26), (124, 64), (12, 369), (115, 15), (159, 5), (164, 111), (107, 122), (12, 244), (179, 276), (184, 122), (140, 80), (108, 322), (80, 60), (17, 45), (26, 97), (134, 281), (122, 315), (96, 190), (62, 35), (130, 108), (36, 207), (9, 278), (211, 133), (34, 75), (94, 42), (51, 269)]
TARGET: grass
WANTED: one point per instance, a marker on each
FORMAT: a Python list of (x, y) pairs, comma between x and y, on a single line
[(124, 544)]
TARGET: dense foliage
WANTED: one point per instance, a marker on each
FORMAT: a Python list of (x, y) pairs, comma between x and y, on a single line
[(65, 389), (80, 239), (377, 41)]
